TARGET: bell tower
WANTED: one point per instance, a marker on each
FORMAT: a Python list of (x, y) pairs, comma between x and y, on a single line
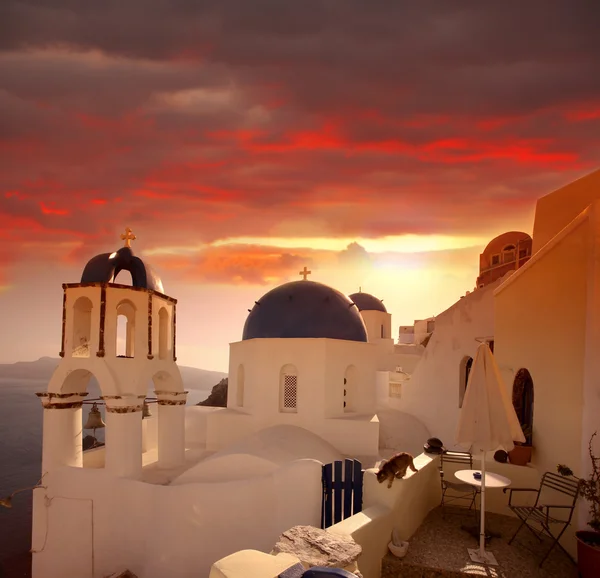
[(123, 335)]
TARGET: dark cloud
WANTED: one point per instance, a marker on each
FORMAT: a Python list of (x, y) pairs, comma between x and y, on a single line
[(196, 121)]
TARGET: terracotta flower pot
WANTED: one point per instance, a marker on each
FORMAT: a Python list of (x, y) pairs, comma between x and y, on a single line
[(588, 553), (520, 455)]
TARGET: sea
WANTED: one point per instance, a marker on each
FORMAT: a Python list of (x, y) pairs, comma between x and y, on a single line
[(21, 455)]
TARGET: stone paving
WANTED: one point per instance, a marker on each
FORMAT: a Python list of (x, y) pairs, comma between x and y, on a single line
[(439, 549)]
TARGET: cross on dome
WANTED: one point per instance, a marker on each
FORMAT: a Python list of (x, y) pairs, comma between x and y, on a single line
[(128, 236), (305, 273)]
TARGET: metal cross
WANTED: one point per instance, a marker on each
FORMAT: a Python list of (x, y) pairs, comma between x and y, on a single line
[(305, 273), (128, 236)]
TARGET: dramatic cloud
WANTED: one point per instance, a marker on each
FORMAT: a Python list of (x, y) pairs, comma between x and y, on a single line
[(234, 265), (195, 122)]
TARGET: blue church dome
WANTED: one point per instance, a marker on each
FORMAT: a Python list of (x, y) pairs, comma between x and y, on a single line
[(105, 267), (305, 309), (367, 302)]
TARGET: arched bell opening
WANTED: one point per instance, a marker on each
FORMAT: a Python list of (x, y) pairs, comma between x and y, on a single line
[(163, 333), (93, 426), (125, 340), (67, 422), (82, 328)]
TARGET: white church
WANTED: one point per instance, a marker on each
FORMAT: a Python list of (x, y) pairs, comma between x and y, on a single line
[(316, 377)]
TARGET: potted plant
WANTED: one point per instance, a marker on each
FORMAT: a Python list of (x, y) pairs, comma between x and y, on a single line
[(588, 542), (520, 455)]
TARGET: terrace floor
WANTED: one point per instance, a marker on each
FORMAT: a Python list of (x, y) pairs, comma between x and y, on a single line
[(439, 549)]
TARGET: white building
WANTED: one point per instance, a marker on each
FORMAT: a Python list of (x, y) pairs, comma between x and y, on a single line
[(315, 377), (305, 381)]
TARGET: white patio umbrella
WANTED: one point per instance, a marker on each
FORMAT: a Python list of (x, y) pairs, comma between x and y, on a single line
[(487, 422)]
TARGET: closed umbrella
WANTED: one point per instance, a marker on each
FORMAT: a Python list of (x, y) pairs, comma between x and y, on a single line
[(487, 422)]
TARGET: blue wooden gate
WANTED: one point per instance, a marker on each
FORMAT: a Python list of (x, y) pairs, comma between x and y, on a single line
[(342, 491)]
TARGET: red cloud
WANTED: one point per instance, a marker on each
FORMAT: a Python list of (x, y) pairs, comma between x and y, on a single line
[(189, 138), (52, 210), (236, 264)]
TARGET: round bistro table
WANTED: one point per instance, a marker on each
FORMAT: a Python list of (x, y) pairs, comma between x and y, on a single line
[(492, 481)]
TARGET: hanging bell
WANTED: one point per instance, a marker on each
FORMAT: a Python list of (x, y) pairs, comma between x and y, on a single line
[(146, 410), (94, 420)]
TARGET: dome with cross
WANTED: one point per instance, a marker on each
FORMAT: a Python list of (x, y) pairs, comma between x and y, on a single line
[(305, 309), (105, 267), (367, 302)]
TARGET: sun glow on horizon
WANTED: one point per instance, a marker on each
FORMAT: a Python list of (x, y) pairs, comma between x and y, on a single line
[(397, 244)]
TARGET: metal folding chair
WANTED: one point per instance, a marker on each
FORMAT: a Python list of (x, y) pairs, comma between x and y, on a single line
[(542, 518), (457, 491)]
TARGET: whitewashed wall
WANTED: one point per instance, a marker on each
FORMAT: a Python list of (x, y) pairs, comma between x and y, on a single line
[(374, 320), (432, 394), (157, 531), (547, 321), (321, 365)]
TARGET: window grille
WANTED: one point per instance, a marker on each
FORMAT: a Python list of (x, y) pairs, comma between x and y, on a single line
[(290, 392), (395, 389)]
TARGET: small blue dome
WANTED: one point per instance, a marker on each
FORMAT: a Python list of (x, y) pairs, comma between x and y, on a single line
[(305, 309), (367, 302), (105, 267)]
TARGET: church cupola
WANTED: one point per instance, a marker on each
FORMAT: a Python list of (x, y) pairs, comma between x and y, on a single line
[(377, 320), (124, 336), (105, 318)]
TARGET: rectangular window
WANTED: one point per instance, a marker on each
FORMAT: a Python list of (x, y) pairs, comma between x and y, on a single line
[(290, 392), (495, 260)]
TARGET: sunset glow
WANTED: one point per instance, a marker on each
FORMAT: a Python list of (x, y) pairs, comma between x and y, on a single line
[(381, 145)]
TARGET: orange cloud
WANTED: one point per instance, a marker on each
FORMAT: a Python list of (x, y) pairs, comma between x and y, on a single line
[(236, 264)]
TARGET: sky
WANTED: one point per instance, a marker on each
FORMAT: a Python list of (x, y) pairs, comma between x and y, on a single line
[(380, 144)]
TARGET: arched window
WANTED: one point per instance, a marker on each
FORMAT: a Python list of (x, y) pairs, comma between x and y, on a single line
[(350, 389), (508, 254), (465, 371), (240, 387), (163, 333), (382, 332), (125, 341), (522, 398), (82, 327), (288, 389)]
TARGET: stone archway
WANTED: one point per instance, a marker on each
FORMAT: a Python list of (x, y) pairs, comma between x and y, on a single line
[(522, 399), (65, 419)]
